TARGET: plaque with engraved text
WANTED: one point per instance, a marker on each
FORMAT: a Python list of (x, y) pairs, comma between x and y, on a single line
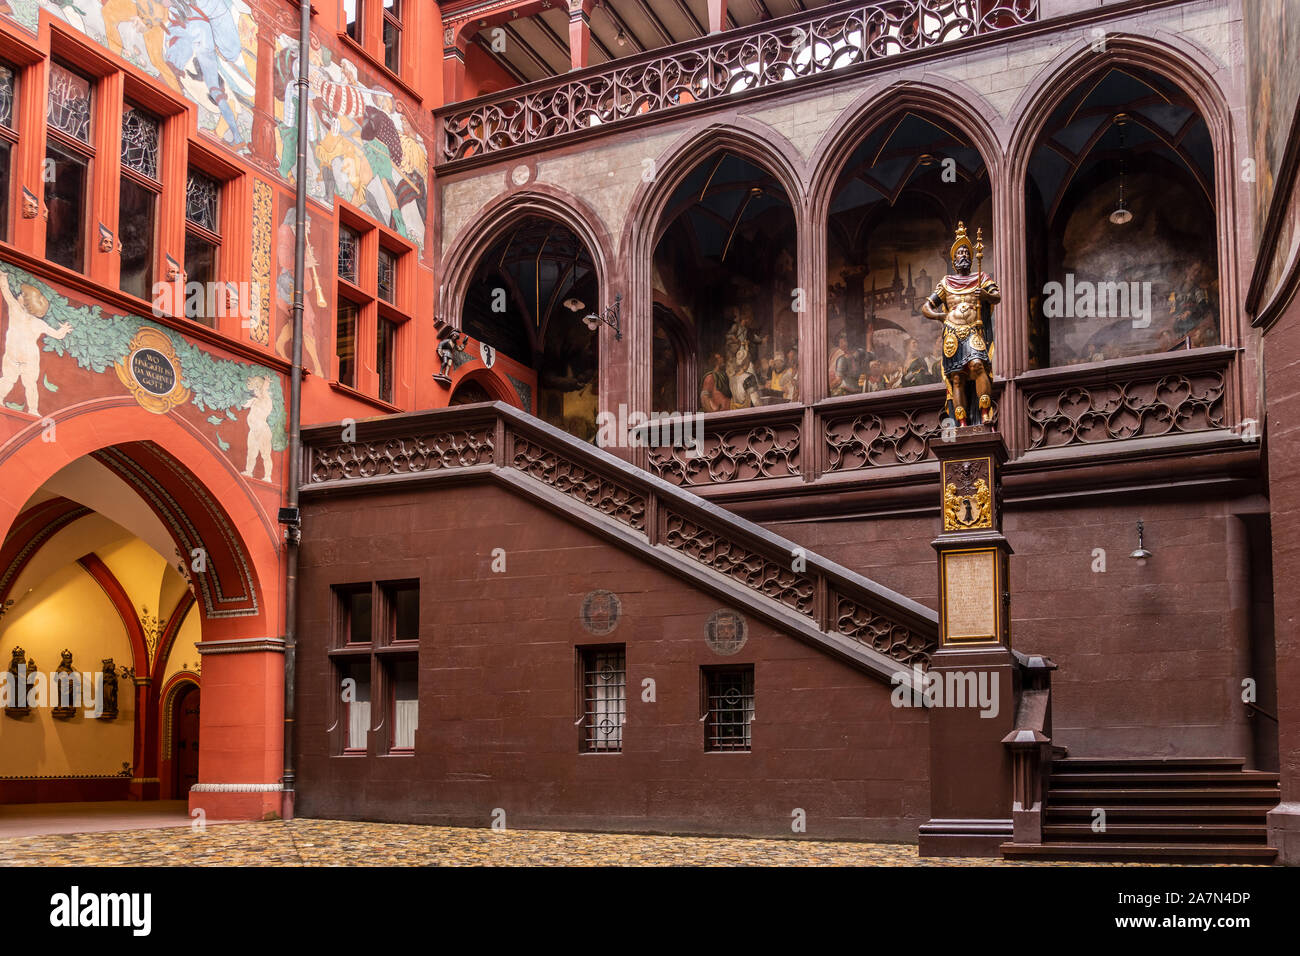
[(970, 596)]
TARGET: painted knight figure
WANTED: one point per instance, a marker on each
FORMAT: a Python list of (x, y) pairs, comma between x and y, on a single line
[(964, 302)]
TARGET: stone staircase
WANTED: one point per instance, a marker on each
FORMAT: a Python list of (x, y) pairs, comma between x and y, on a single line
[(1184, 809)]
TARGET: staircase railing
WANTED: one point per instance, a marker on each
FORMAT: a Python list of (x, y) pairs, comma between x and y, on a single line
[(468, 440), (1030, 743)]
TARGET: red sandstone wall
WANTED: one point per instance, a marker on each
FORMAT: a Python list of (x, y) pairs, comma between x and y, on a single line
[(1282, 387), (1151, 658), (498, 703)]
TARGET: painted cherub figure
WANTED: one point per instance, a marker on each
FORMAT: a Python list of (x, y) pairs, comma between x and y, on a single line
[(259, 427), (22, 352)]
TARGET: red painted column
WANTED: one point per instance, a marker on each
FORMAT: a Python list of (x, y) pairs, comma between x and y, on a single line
[(241, 728), (717, 15), (579, 33), (144, 750), (453, 65)]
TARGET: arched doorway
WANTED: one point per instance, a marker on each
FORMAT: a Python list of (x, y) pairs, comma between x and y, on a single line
[(469, 393), (527, 299), (725, 283), (1121, 238), (118, 569)]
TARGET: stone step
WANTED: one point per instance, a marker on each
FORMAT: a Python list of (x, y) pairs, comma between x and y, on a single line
[(1256, 833), (1149, 763), (1180, 778), (1207, 795), (1210, 812), (1155, 852)]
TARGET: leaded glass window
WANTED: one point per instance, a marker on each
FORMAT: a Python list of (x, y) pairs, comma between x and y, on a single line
[(387, 275), (201, 200), (6, 96), (347, 254), (140, 142), (68, 103), (385, 342), (393, 34), (8, 141)]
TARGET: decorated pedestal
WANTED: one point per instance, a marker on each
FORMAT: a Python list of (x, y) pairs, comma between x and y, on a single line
[(973, 674)]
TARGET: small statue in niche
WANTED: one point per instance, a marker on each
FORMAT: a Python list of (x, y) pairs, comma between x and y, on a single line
[(450, 344), (19, 679), (964, 304), (109, 692), (64, 691)]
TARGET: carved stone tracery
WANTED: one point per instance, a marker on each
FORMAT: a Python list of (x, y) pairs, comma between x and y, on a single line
[(457, 448), (1139, 408), (740, 563), (809, 46), (874, 438), (879, 633), (735, 454), (572, 479)]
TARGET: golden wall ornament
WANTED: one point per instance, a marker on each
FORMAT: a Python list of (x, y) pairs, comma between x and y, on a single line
[(962, 512), (151, 371)]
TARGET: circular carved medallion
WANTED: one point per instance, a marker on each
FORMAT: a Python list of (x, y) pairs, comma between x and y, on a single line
[(726, 632), (600, 612)]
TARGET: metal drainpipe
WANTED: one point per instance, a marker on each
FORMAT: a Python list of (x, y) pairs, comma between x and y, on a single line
[(293, 529)]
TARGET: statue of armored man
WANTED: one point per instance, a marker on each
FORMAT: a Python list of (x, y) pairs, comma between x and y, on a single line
[(964, 303)]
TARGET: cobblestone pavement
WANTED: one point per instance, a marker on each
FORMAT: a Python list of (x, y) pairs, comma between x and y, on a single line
[(338, 843)]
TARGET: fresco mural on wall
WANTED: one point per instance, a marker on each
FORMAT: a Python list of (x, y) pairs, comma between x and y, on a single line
[(205, 50), (316, 313), (162, 369), (362, 147), (876, 336), (1272, 34), (738, 307), (1163, 263), (1271, 29)]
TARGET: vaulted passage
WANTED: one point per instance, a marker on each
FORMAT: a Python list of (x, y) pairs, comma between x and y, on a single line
[(527, 300)]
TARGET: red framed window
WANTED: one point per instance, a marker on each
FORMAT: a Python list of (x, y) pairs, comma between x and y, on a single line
[(69, 155), (8, 142), (353, 13), (202, 244), (373, 307), (138, 200), (393, 35), (376, 28)]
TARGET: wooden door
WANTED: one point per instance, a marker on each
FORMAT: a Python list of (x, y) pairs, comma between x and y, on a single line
[(186, 733)]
